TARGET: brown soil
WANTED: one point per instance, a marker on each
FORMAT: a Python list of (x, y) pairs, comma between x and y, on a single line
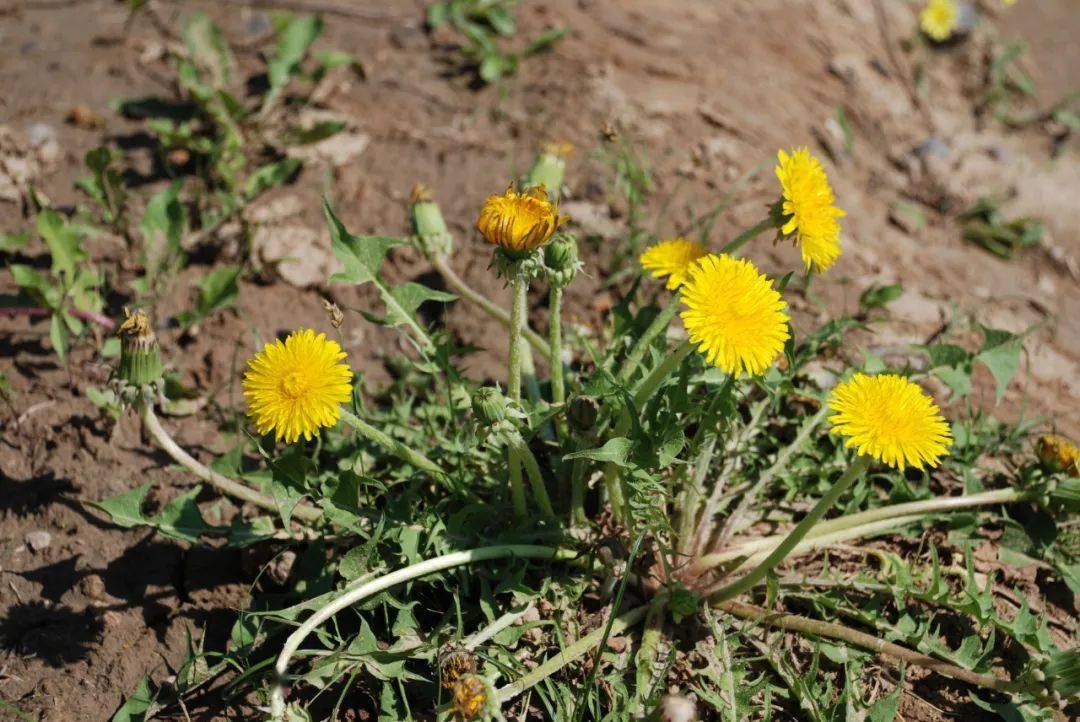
[(707, 89)]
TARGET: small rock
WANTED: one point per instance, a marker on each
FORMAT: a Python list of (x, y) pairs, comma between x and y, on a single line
[(594, 219), (676, 708), (38, 134), (38, 540), (301, 256), (282, 566), (92, 586)]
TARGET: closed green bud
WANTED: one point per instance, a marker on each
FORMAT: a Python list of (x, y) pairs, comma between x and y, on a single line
[(561, 259), (140, 357), (682, 602), (582, 413), (489, 406), (428, 223), (549, 168)]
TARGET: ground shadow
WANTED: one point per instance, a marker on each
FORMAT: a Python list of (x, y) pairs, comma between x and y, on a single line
[(55, 634), (22, 498)]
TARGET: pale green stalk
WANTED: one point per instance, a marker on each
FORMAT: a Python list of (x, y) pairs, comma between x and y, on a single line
[(375, 586), (392, 446), (536, 477), (691, 498), (748, 235), (518, 289), (572, 653), (853, 472), (558, 385)]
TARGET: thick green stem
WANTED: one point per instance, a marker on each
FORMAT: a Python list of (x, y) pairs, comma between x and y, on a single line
[(558, 387), (658, 326), (796, 535), (748, 235), (518, 289), (393, 446), (829, 630), (572, 653), (486, 305), (577, 491), (536, 477), (223, 484), (369, 589)]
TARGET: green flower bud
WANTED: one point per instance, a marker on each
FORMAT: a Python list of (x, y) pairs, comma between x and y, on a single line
[(582, 413), (549, 169), (489, 406), (140, 357), (428, 223), (561, 259)]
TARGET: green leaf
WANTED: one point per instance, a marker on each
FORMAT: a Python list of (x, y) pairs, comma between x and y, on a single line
[(318, 132), (13, 241), (58, 335), (181, 518), (137, 705), (957, 379), (36, 285), (163, 225), (880, 296), (362, 256), (946, 354), (884, 710), (409, 297), (62, 239), (288, 482), (126, 509), (270, 176), (217, 290), (1001, 355), (293, 43), (208, 49), (616, 451)]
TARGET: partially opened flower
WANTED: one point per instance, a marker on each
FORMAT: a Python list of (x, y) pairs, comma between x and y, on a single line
[(1059, 454), (734, 315), (519, 222), (938, 19), (672, 258), (891, 419), (809, 208), (294, 388)]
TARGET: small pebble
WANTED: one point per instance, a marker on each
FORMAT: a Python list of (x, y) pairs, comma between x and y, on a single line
[(38, 540)]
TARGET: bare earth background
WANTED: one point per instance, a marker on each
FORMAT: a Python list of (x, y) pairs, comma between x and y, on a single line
[(709, 90)]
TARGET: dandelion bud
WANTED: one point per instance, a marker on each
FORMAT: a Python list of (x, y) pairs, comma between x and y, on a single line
[(519, 223), (582, 413), (428, 223), (549, 169), (140, 357), (454, 663), (1058, 454), (561, 259), (470, 697), (489, 406)]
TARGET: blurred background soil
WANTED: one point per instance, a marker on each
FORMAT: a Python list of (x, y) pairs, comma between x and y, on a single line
[(706, 90)]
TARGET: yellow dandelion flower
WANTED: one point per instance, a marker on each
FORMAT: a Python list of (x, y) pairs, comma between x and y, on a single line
[(1008, 3), (1059, 454), (891, 419), (296, 387), (470, 697), (809, 205), (519, 222), (734, 315), (672, 258), (938, 19)]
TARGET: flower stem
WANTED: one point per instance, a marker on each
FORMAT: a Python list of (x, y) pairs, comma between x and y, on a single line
[(536, 478), (394, 447), (223, 484), (518, 289), (486, 305), (864, 521), (577, 490), (373, 587), (558, 386), (658, 326), (829, 630), (748, 235), (796, 535), (489, 632)]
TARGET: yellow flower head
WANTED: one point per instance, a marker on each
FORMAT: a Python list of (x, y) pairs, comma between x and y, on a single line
[(1059, 454), (470, 697), (734, 315), (938, 19), (519, 222), (672, 258), (808, 204), (891, 419), (296, 387)]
